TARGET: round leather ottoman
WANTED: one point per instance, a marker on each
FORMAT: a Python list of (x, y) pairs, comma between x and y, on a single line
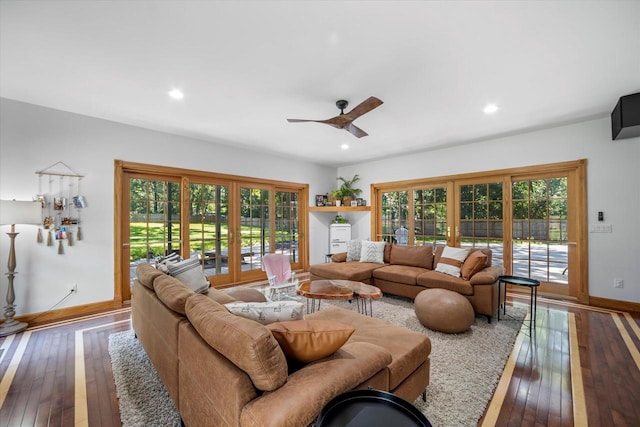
[(443, 310)]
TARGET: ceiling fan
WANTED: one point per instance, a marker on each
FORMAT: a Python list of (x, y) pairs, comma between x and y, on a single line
[(344, 121)]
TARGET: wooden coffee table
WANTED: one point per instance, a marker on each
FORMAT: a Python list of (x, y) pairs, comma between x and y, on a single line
[(318, 290)]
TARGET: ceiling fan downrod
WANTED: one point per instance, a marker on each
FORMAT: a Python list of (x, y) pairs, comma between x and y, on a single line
[(342, 104)]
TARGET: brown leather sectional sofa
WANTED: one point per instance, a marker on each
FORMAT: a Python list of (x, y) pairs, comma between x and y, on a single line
[(408, 270), (185, 336)]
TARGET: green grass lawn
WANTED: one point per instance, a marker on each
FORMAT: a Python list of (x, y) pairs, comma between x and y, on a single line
[(157, 235)]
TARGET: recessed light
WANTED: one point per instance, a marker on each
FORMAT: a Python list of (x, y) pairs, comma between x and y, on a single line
[(490, 108), (176, 94), (345, 146)]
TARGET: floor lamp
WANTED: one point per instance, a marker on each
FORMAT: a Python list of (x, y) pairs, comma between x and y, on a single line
[(15, 212)]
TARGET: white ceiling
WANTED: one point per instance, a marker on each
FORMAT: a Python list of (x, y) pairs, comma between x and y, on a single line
[(247, 66)]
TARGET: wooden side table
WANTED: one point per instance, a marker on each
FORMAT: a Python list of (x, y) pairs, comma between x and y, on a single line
[(532, 284), (318, 290)]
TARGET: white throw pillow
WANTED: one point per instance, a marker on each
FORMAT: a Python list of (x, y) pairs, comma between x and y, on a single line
[(372, 252), (451, 260), (190, 273), (267, 312), (354, 247)]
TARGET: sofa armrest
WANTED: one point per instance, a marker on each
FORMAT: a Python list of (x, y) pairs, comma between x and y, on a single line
[(339, 257), (308, 390), (487, 276)]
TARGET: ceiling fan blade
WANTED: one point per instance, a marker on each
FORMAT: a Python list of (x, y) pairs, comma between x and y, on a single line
[(355, 130), (364, 107), (302, 120)]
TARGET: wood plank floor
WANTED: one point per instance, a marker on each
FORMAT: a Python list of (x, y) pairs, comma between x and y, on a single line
[(580, 367)]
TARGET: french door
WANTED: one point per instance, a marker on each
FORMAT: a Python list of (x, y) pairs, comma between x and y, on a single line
[(479, 219), (226, 222), (533, 219)]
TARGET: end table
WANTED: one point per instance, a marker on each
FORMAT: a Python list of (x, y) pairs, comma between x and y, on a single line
[(532, 284)]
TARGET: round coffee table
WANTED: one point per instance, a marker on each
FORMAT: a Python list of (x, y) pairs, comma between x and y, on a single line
[(318, 290)]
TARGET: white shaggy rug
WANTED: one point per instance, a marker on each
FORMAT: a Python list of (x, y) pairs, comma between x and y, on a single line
[(465, 369), (143, 399)]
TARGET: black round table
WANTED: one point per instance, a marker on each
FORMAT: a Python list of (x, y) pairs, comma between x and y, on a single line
[(532, 284), (370, 408)]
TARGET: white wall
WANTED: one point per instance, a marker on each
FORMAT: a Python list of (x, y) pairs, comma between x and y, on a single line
[(613, 179), (33, 138)]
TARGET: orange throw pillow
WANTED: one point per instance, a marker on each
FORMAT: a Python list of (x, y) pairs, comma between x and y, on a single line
[(308, 340), (474, 263)]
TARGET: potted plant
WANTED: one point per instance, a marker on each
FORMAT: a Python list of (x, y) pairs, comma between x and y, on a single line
[(339, 219), (347, 189), (333, 196)]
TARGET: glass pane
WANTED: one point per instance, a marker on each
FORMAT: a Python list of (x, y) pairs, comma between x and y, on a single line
[(395, 214), (540, 229), (431, 215), (480, 192), (520, 190), (466, 210), (466, 193), (287, 224), (154, 221), (481, 218), (208, 226), (480, 211), (255, 232), (495, 191)]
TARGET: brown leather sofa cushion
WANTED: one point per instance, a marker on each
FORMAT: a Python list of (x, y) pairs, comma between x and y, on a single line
[(247, 344), (339, 257), (146, 274), (219, 296), (399, 273), (172, 292), (474, 263), (435, 279), (408, 349), (352, 270), (235, 295), (308, 340), (414, 256), (487, 276)]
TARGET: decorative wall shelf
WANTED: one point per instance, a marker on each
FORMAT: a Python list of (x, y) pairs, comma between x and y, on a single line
[(61, 205), (339, 208)]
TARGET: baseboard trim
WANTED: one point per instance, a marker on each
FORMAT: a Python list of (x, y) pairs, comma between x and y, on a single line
[(36, 319), (613, 304)]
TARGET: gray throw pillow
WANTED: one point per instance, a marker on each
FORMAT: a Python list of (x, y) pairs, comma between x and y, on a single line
[(354, 247), (190, 273)]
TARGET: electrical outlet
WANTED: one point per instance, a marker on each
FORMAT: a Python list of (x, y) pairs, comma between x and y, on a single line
[(618, 283), (74, 289)]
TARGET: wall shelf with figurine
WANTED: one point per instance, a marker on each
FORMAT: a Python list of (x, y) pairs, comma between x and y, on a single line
[(62, 202)]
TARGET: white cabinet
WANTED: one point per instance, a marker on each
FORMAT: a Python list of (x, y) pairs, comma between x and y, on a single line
[(339, 234)]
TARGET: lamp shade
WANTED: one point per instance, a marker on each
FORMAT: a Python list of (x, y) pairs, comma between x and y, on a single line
[(20, 212)]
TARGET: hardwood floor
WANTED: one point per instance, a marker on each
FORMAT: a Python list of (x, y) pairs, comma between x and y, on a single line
[(581, 367)]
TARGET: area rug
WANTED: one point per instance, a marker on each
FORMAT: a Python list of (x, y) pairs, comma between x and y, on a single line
[(465, 369), (143, 399)]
